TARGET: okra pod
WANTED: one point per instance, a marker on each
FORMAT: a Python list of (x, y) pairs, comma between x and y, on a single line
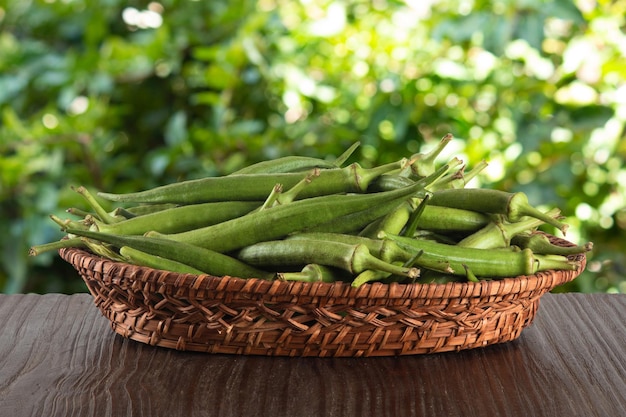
[(143, 209), (280, 221), (295, 163), (180, 219), (141, 258), (539, 243), (352, 178), (206, 260), (393, 222), (446, 219), (351, 258), (514, 205), (385, 249), (284, 165), (498, 233), (483, 262)]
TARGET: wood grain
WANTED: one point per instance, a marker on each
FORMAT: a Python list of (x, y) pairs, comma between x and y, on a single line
[(58, 357)]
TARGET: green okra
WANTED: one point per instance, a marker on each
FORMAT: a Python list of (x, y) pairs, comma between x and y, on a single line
[(285, 164), (485, 263), (341, 159), (282, 220), (208, 261), (295, 163), (352, 178), (387, 182), (385, 249), (142, 209), (180, 219), (540, 243), (449, 220), (141, 258), (498, 233), (514, 205), (393, 222), (351, 258)]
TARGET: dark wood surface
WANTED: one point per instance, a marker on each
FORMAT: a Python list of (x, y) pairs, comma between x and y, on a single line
[(58, 357)]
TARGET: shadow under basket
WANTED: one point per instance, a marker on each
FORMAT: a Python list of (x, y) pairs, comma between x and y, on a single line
[(231, 315)]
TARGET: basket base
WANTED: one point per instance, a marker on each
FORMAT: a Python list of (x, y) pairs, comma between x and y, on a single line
[(424, 335)]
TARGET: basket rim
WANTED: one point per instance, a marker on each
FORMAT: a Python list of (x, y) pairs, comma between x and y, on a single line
[(545, 280)]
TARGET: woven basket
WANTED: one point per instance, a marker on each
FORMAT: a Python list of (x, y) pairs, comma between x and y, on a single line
[(256, 317)]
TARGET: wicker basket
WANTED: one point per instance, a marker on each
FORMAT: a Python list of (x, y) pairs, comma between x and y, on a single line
[(255, 317)]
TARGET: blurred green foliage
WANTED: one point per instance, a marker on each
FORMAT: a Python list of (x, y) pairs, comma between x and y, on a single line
[(125, 95)]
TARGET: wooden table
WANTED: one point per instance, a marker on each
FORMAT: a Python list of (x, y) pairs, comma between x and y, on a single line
[(58, 357)]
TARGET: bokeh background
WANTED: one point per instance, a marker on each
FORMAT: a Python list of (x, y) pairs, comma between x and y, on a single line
[(125, 95)]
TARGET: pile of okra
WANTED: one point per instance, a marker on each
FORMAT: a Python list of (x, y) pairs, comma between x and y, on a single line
[(308, 219)]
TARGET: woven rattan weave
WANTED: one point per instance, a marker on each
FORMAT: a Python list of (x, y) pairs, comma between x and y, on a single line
[(255, 317)]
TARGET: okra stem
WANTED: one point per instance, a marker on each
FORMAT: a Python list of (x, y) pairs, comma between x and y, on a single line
[(458, 179), (369, 275), (469, 274), (291, 194), (67, 223), (473, 173), (424, 163), (78, 212), (104, 216), (341, 159), (272, 197)]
